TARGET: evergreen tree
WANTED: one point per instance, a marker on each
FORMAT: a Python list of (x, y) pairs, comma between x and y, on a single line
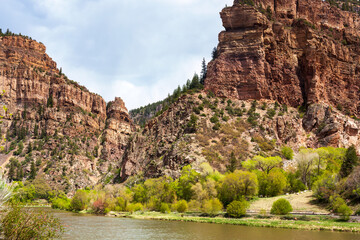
[(11, 174), (351, 160), (20, 173), (195, 82), (32, 171), (36, 129), (29, 148), (203, 72), (232, 163), (50, 102), (214, 53)]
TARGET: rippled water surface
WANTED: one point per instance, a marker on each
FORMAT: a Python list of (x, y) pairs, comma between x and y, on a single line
[(97, 227)]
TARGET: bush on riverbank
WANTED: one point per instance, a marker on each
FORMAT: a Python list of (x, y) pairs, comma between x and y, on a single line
[(281, 207), (21, 223), (237, 208)]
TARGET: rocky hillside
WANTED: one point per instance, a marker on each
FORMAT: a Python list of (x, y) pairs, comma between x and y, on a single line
[(286, 73), (72, 136), (202, 128), (294, 52)]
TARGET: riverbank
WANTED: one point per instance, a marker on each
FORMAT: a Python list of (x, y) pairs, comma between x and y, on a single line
[(311, 222)]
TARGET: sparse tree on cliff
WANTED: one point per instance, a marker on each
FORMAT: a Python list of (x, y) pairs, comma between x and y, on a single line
[(32, 171), (203, 71), (50, 101), (214, 53)]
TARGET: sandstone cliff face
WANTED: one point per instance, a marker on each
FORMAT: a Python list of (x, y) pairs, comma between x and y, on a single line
[(75, 139), (294, 52)]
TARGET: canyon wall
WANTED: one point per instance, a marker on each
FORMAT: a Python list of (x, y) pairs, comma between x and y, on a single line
[(293, 52)]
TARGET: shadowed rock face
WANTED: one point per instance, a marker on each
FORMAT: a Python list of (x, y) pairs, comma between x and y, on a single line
[(294, 52)]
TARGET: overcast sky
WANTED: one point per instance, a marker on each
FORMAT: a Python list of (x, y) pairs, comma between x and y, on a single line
[(139, 50)]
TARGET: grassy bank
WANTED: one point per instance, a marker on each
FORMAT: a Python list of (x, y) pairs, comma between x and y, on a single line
[(314, 223)]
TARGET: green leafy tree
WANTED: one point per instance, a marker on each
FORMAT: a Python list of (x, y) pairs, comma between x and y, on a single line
[(237, 185), (79, 201), (306, 159), (351, 160), (281, 207), (188, 178), (265, 164), (272, 184), (287, 152)]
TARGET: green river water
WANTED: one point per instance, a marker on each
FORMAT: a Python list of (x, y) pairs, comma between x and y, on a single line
[(88, 227)]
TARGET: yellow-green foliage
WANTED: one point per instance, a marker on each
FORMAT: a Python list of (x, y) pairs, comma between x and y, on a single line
[(237, 208), (212, 206), (80, 200), (237, 185), (181, 206), (262, 163), (287, 152), (273, 183), (281, 207), (164, 208)]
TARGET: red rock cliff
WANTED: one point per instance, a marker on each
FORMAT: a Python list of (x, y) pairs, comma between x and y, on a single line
[(72, 132), (291, 51)]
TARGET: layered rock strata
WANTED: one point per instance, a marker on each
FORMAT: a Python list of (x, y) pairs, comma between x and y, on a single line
[(294, 52)]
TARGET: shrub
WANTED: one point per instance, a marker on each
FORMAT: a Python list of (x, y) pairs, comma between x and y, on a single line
[(61, 203), (194, 205), (344, 211), (134, 207), (336, 202), (164, 208), (99, 206), (281, 207), (182, 206), (138, 207), (20, 223), (214, 119), (212, 206), (287, 152), (237, 208)]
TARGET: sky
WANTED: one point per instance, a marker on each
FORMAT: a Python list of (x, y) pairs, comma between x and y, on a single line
[(139, 50)]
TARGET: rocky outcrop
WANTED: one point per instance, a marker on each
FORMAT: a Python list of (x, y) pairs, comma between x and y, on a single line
[(155, 150), (119, 127), (76, 140), (294, 52)]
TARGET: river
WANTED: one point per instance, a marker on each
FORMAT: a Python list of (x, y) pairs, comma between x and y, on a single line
[(89, 227)]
